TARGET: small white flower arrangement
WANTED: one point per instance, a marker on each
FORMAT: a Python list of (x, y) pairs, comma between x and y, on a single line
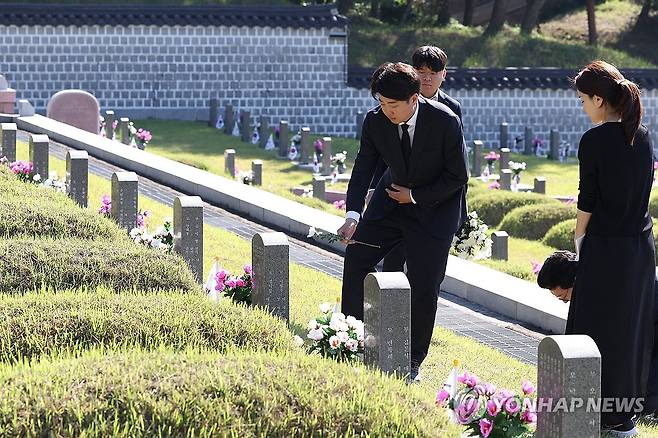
[(472, 241), (162, 239), (53, 181), (517, 168), (335, 335)]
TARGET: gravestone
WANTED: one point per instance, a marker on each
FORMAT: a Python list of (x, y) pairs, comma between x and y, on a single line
[(306, 147), (387, 320), (504, 158), (39, 154), (124, 199), (229, 119), (213, 112), (504, 135), (568, 387), (7, 97), (270, 255), (499, 245), (477, 158), (359, 124), (540, 185), (528, 138), (257, 170), (245, 124), (263, 131), (326, 156), (188, 232), (8, 141), (109, 124), (506, 179), (284, 138), (554, 153), (25, 108), (124, 127), (319, 188), (76, 108), (229, 161), (77, 176)]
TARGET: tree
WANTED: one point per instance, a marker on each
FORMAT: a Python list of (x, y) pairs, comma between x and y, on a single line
[(469, 8), (531, 15), (497, 17), (443, 12), (591, 23)]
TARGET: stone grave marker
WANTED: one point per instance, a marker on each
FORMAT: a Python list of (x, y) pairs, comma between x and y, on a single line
[(270, 256), (188, 232), (76, 108)]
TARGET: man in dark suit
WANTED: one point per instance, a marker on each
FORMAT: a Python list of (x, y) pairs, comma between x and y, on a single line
[(430, 64), (417, 201)]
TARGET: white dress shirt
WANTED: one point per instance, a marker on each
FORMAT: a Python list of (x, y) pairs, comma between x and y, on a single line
[(411, 129)]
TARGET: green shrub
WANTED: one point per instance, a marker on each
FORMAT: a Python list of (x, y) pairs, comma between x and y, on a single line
[(133, 393), (28, 264), (533, 221), (36, 324), (561, 235), (493, 205)]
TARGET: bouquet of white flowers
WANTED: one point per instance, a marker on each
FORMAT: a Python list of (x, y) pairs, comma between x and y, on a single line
[(471, 241), (335, 336)]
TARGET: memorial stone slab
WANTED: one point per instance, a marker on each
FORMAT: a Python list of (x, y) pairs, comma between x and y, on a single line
[(39, 147), (528, 138), (499, 245), (213, 112), (504, 135), (7, 97), (124, 126), (477, 158), (504, 158), (319, 188), (25, 108), (270, 257), (554, 153), (124, 199), (8, 141), (229, 119), (77, 176), (76, 108), (257, 170), (229, 162), (306, 147), (284, 138), (188, 232), (109, 124), (245, 126), (326, 156), (506, 179), (540, 185), (263, 131)]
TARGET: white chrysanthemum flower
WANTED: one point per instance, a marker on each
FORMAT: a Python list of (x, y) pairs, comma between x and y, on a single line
[(334, 342), (312, 324), (325, 307), (315, 335)]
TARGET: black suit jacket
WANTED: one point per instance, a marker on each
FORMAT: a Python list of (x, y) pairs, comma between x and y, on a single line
[(437, 173)]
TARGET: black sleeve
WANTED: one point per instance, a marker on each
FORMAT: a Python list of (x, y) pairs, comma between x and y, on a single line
[(363, 170), (379, 171), (587, 186)]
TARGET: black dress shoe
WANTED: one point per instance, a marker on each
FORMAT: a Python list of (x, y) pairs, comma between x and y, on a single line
[(626, 429), (414, 375)]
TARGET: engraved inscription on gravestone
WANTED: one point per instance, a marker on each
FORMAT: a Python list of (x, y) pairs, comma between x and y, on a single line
[(124, 199), (77, 176), (188, 232), (8, 141), (270, 254), (39, 146)]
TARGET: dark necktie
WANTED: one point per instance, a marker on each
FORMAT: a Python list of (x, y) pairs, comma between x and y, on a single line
[(406, 144)]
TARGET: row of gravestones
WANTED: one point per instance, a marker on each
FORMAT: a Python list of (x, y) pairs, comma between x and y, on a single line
[(505, 172), (264, 132), (528, 139), (231, 168), (123, 127)]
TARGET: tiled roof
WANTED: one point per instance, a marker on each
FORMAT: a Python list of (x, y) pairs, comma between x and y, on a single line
[(511, 78), (270, 16)]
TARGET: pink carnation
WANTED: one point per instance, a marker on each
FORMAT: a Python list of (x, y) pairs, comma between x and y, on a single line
[(468, 379), (466, 410), (529, 417), (231, 283), (239, 282), (441, 397), (527, 388), (512, 406), (486, 426), (248, 269), (493, 408)]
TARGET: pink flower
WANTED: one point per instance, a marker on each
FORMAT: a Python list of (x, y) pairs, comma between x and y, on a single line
[(494, 186), (466, 409), (493, 408), (512, 406), (529, 417), (536, 267), (441, 397), (248, 269), (492, 156), (340, 204), (486, 426), (219, 286), (221, 275), (468, 379), (239, 282), (527, 388), (231, 283)]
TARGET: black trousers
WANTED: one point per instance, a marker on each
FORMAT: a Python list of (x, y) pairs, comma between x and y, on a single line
[(651, 403), (394, 260), (426, 257)]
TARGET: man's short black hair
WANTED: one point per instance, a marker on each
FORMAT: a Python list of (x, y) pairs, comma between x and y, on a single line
[(559, 270), (431, 57), (397, 81)]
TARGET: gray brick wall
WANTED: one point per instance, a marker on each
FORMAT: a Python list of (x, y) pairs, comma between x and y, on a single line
[(293, 74)]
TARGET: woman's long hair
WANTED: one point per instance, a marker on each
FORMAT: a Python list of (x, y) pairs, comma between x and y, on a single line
[(623, 96)]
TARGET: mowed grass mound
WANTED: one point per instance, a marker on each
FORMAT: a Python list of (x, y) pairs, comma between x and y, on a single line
[(41, 324), (163, 394), (28, 264), (492, 205)]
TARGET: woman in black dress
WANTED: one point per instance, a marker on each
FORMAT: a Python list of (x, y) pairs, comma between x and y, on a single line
[(613, 296)]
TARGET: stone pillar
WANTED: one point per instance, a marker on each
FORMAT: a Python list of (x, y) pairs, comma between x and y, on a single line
[(528, 138), (8, 141), (284, 138), (568, 371), (229, 119), (477, 158), (359, 124), (504, 158), (306, 146), (245, 124), (257, 169), (326, 156), (77, 176), (7, 97), (540, 185), (25, 108), (263, 131), (213, 113), (504, 135), (39, 155), (188, 232), (387, 319), (506, 179), (124, 199), (319, 187), (124, 127), (499, 245), (109, 122), (554, 152), (270, 257), (229, 161)]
